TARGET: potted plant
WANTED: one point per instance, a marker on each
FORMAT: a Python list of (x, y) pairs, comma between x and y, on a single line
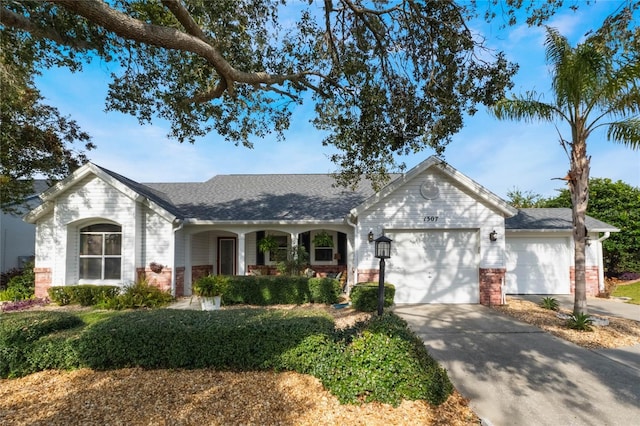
[(323, 239), (210, 290), (268, 244)]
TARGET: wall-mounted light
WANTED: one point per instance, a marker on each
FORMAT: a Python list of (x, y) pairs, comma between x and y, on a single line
[(370, 237), (493, 236)]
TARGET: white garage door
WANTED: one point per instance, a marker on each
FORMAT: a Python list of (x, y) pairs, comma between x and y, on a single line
[(434, 266), (538, 265)]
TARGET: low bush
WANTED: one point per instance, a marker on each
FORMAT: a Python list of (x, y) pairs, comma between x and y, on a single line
[(20, 286), (239, 339), (382, 361), (29, 342), (550, 303), (364, 296), (580, 322), (84, 295), (136, 296), (378, 360), (324, 290), (20, 305), (280, 290)]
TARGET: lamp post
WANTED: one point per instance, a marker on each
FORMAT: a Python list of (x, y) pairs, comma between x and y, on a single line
[(382, 252)]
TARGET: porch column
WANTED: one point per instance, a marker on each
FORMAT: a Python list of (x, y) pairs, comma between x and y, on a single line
[(241, 263), (187, 265), (294, 244)]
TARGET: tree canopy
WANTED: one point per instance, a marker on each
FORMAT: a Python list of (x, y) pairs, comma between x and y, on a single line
[(618, 204), (35, 139), (387, 78)]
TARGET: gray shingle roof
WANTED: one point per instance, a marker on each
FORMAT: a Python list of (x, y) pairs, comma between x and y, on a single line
[(552, 219), (294, 197), (263, 197)]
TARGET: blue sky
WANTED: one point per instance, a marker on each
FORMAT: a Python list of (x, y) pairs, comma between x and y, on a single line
[(499, 155)]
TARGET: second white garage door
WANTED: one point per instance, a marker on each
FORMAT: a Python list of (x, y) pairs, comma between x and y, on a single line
[(538, 265), (434, 266)]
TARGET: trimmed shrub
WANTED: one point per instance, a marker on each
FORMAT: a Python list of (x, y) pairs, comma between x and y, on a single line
[(381, 361), (364, 296), (280, 290), (21, 286), (324, 290), (240, 339), (135, 296), (84, 295), (26, 337)]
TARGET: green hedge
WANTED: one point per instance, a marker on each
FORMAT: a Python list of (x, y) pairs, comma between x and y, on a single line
[(238, 339), (84, 295), (364, 296), (33, 341), (133, 296), (379, 360), (281, 290)]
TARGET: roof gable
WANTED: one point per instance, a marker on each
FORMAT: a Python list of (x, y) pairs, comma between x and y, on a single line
[(460, 179), (130, 188)]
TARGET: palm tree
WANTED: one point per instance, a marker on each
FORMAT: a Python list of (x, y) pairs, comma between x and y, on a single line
[(596, 84)]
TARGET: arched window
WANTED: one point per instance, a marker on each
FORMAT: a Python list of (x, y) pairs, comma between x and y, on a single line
[(101, 252)]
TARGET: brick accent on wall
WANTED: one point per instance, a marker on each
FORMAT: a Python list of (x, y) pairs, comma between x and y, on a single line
[(42, 281), (491, 286), (368, 275), (180, 281), (200, 271), (591, 274), (160, 280)]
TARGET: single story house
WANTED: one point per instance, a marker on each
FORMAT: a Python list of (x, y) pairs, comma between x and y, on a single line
[(454, 241)]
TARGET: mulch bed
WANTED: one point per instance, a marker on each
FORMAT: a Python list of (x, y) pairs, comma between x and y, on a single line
[(206, 397), (619, 333)]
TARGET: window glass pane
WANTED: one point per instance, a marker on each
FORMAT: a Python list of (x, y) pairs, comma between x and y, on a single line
[(90, 244), (112, 244), (324, 254), (91, 268), (112, 268)]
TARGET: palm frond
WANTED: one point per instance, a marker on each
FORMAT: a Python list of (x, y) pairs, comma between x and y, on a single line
[(626, 132), (525, 108)]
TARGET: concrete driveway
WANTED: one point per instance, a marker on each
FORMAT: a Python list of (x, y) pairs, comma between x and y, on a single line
[(515, 374)]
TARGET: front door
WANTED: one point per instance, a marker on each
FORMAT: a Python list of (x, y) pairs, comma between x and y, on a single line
[(226, 256)]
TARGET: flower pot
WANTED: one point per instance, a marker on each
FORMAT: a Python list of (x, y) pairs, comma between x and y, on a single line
[(210, 303)]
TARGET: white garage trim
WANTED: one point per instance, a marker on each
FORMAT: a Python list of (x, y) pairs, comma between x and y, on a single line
[(434, 266), (538, 265)]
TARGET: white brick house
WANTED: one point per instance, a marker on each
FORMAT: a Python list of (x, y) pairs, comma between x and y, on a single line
[(453, 240)]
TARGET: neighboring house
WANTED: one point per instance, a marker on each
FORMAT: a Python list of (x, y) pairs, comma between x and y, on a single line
[(17, 237), (453, 240)]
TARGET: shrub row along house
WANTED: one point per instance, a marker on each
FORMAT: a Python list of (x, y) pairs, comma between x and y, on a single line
[(453, 240)]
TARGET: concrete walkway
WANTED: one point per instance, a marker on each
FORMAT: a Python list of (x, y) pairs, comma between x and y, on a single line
[(516, 374)]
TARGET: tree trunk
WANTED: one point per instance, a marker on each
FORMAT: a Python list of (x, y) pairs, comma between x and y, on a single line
[(579, 188)]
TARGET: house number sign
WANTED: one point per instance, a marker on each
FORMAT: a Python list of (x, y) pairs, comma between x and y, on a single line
[(431, 218)]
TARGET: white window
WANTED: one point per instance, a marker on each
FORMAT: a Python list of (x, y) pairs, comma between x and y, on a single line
[(280, 254), (323, 247), (101, 252)]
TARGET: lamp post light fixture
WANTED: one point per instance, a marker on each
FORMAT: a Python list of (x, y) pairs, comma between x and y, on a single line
[(382, 252)]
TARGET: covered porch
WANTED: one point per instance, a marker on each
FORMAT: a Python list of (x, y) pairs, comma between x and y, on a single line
[(228, 250)]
